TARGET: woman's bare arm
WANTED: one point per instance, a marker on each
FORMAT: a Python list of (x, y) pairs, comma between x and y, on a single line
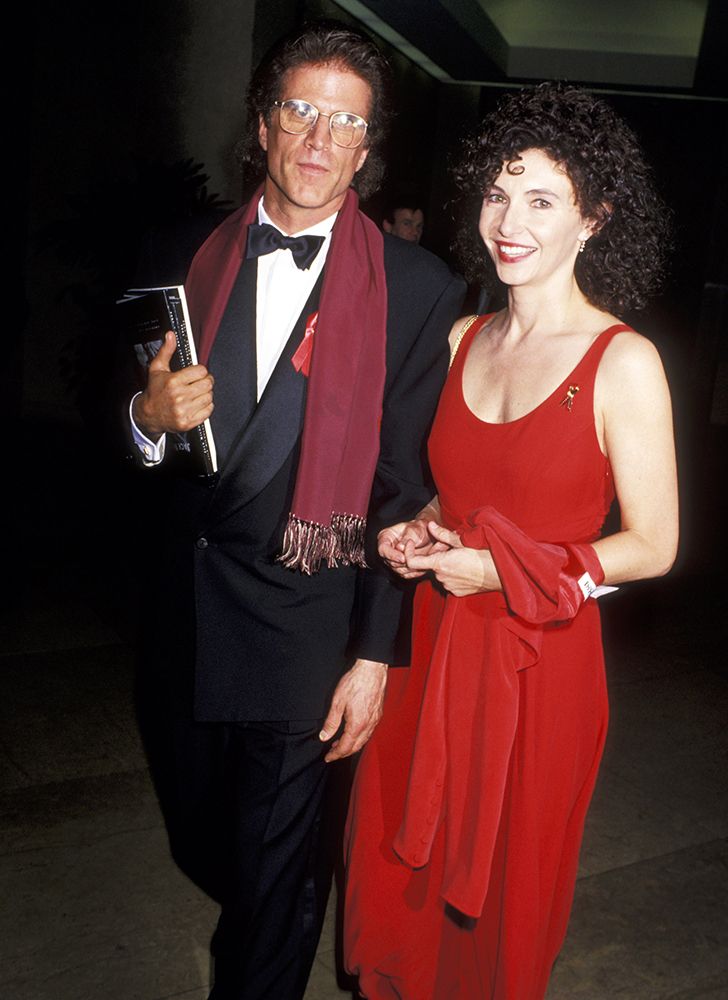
[(634, 421)]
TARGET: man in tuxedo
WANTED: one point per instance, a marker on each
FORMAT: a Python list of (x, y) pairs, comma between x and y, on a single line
[(271, 625)]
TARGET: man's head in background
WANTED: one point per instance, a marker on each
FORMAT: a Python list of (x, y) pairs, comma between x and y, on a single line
[(403, 218)]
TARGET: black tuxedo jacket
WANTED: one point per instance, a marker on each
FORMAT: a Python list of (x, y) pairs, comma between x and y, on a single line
[(244, 637)]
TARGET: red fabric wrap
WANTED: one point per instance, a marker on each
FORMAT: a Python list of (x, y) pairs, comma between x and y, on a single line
[(340, 443), (470, 709), (540, 580)]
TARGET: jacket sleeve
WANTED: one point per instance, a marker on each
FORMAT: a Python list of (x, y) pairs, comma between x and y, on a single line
[(416, 369)]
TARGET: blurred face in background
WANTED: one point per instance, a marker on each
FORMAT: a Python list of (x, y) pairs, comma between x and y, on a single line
[(408, 224)]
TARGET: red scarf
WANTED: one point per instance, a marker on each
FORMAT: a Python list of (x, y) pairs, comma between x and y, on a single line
[(340, 443)]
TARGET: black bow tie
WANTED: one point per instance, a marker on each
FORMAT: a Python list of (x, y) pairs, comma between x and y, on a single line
[(263, 239)]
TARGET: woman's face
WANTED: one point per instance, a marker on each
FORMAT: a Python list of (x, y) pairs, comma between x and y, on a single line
[(530, 222)]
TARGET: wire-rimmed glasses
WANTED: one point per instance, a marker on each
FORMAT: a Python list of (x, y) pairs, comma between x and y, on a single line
[(297, 117)]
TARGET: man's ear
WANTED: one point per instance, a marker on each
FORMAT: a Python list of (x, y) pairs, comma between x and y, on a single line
[(386, 226), (262, 133), (362, 158)]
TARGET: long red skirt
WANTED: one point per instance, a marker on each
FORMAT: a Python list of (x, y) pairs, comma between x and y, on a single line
[(400, 937)]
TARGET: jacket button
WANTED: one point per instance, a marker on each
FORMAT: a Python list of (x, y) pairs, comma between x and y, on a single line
[(201, 543)]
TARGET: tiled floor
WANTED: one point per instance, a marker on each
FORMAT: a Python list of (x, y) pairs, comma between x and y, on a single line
[(93, 909)]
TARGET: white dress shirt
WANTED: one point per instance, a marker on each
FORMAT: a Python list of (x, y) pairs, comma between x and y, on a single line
[(282, 292)]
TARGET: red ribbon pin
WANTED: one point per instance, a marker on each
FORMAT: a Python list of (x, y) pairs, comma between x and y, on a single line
[(301, 360)]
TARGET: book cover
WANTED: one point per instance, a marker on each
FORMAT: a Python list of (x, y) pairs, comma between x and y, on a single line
[(145, 315)]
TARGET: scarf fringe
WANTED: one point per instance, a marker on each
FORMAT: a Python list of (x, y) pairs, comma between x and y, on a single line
[(307, 544)]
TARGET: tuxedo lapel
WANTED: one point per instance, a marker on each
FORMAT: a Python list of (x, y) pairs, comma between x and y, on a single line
[(233, 364), (271, 433)]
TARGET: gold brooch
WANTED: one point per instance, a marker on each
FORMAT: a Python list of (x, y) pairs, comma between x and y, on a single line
[(568, 400)]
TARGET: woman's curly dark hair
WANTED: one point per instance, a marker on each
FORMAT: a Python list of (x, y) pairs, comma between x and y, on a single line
[(623, 263), (323, 42)]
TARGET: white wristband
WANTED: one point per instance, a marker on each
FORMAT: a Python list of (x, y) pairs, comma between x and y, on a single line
[(590, 589)]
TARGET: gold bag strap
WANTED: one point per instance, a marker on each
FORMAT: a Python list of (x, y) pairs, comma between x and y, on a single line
[(458, 340)]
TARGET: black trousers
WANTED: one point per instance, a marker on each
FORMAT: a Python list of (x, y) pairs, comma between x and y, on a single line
[(242, 803)]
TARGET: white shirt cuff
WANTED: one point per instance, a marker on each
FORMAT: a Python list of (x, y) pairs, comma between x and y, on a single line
[(152, 451)]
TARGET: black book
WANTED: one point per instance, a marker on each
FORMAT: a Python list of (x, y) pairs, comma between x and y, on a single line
[(145, 315)]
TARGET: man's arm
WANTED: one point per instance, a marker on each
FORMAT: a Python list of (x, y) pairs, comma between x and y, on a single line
[(401, 488), (164, 259), (402, 485)]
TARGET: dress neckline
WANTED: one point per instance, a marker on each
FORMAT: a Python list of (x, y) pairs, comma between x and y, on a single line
[(616, 327)]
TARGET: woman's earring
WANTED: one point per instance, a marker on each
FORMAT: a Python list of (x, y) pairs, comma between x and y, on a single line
[(582, 244)]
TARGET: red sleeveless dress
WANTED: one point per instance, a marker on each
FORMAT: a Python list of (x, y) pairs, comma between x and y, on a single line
[(481, 910)]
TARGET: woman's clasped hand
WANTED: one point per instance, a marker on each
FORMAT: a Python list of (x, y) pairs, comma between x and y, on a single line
[(413, 548)]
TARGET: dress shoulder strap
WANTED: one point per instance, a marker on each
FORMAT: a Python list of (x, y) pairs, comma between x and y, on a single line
[(590, 362)]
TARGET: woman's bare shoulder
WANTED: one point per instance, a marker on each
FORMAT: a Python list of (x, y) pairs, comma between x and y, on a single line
[(628, 351), (631, 366), (461, 325), (458, 327)]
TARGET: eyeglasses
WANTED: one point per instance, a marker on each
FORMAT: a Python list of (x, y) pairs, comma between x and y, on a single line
[(297, 117)]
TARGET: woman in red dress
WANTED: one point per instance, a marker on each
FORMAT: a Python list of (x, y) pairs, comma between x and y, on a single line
[(469, 802)]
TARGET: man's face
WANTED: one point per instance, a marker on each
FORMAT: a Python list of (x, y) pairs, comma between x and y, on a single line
[(408, 224), (308, 174)]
